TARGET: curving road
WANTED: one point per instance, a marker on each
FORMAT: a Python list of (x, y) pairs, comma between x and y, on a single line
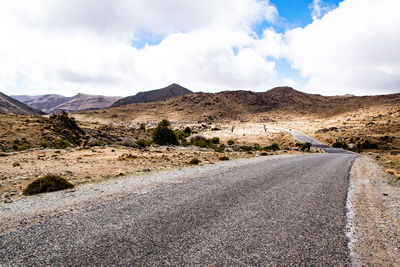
[(268, 211)]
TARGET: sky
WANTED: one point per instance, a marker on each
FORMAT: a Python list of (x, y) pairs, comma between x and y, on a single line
[(121, 47)]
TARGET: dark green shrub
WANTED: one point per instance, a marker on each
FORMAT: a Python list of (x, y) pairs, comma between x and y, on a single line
[(305, 146), (200, 143), (220, 148), (48, 183), (144, 143), (231, 142), (164, 135), (246, 148), (142, 127), (24, 147), (263, 154), (215, 140), (194, 161), (224, 158), (368, 145), (339, 144), (273, 147), (44, 144), (187, 130), (60, 143), (257, 147)]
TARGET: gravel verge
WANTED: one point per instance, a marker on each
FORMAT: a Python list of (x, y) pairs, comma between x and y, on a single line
[(373, 216)]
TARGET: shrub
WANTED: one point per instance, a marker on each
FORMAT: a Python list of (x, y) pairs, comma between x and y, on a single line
[(340, 144), (200, 142), (220, 148), (142, 127), (246, 148), (273, 147), (44, 144), (144, 143), (60, 143), (256, 147), (187, 130), (164, 135), (48, 183), (231, 142), (194, 161), (215, 140), (23, 147), (263, 154), (305, 146), (224, 158)]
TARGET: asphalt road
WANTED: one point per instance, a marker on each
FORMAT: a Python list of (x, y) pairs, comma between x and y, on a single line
[(284, 211)]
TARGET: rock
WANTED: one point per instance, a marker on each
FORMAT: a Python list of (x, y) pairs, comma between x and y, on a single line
[(385, 194), (8, 200), (16, 164)]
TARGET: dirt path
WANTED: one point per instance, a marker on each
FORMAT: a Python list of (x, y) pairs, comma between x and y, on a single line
[(374, 220)]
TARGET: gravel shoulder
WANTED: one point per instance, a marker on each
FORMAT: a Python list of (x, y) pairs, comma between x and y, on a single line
[(36, 209), (374, 215)]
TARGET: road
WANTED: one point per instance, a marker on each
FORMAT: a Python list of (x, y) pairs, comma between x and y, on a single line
[(279, 211)]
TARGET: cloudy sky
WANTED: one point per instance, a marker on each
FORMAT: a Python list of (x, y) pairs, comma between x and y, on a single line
[(120, 47)]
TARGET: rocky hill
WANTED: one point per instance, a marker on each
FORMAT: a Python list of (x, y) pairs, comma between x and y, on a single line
[(237, 105), (172, 90), (53, 103), (9, 105)]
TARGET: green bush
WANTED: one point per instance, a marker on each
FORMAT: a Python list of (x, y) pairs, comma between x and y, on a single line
[(142, 127), (200, 142), (23, 147), (257, 147), (305, 146), (340, 144), (187, 130), (60, 143), (194, 161), (273, 147), (44, 144), (231, 142), (215, 140), (220, 148), (246, 148), (144, 143), (48, 183), (164, 135)]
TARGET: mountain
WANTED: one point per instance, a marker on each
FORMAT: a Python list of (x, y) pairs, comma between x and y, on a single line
[(172, 90), (9, 105), (45, 103), (238, 105), (53, 103), (85, 102)]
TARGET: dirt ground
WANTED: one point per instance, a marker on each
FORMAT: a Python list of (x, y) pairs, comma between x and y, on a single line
[(375, 224)]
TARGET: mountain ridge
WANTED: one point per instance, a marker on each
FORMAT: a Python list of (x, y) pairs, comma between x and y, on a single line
[(161, 94)]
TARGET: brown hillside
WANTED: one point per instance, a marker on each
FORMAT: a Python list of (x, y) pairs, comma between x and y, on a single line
[(10, 105), (241, 105)]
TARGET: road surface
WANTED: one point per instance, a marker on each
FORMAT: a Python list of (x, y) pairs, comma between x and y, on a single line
[(279, 211)]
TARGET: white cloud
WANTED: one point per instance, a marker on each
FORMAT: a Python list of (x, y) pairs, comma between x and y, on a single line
[(70, 46), (353, 48), (85, 46)]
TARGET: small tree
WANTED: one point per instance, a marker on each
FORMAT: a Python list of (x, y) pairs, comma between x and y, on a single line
[(164, 135)]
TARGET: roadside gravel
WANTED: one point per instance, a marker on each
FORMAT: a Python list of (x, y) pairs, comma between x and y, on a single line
[(374, 215)]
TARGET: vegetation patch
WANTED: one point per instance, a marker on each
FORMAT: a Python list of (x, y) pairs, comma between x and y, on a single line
[(194, 161), (48, 183), (60, 143), (144, 143), (224, 158), (164, 135)]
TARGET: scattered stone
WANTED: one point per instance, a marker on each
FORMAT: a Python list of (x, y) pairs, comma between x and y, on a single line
[(8, 200), (385, 194), (16, 164)]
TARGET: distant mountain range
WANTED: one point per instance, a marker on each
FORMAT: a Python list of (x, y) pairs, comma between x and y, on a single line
[(237, 105), (184, 104), (56, 103), (162, 94), (10, 105)]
